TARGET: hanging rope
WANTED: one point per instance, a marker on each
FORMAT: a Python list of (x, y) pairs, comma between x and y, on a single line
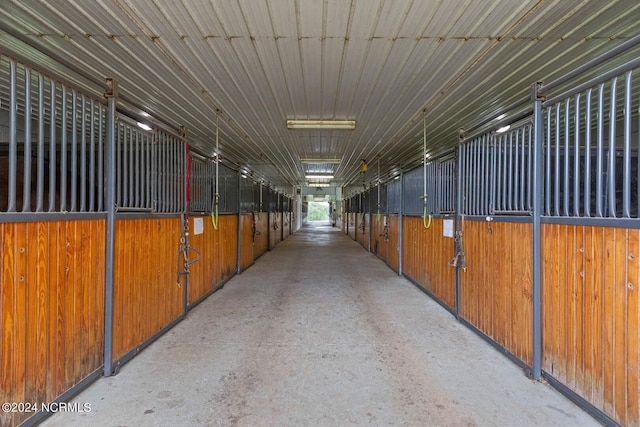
[(424, 169), (378, 189), (214, 211), (260, 211)]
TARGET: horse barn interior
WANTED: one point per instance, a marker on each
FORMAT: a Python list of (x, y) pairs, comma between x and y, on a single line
[(159, 158)]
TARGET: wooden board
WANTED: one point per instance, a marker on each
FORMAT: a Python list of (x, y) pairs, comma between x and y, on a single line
[(496, 288), (590, 315), (51, 309), (426, 256), (147, 292), (206, 274), (393, 259)]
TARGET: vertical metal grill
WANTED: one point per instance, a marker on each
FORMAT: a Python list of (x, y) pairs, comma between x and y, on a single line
[(53, 151), (591, 149)]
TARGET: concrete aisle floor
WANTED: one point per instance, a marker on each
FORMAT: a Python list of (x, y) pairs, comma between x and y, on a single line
[(321, 332)]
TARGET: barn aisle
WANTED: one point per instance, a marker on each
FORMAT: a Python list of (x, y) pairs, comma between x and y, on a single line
[(320, 332)]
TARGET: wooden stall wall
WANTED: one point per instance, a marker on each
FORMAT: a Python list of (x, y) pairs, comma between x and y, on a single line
[(147, 293), (206, 274), (261, 238), (246, 242), (278, 230), (496, 287), (351, 229), (363, 229), (379, 238), (393, 258), (275, 229), (286, 225), (52, 308), (590, 315), (426, 256), (229, 244)]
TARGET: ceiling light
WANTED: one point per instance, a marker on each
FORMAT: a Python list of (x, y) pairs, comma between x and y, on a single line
[(321, 124), (504, 129), (318, 176), (500, 117), (143, 126), (319, 161), (319, 184)]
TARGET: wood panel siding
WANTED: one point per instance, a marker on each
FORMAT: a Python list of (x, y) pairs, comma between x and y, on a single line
[(393, 258), (51, 308), (275, 229), (590, 315), (379, 239), (207, 273), (496, 288), (147, 293), (362, 223), (229, 245), (246, 241), (286, 225), (261, 238), (426, 256), (351, 228)]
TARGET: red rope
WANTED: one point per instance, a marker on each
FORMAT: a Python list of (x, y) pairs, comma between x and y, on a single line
[(189, 172)]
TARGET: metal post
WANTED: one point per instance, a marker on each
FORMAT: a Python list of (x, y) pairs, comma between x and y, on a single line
[(458, 224), (40, 180), (537, 213), (239, 223), (400, 223), (26, 187), (13, 137), (110, 154), (52, 147)]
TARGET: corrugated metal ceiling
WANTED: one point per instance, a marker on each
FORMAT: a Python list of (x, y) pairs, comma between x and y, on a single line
[(262, 62)]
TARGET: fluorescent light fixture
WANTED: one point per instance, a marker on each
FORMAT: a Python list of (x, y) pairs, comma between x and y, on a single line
[(504, 129), (321, 124), (318, 176), (500, 117), (143, 126), (319, 184), (319, 161)]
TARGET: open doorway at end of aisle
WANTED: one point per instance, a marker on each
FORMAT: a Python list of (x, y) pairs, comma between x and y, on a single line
[(319, 214)]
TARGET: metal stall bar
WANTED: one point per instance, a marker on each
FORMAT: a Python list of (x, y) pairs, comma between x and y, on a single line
[(556, 171), (611, 154), (74, 150), (538, 156), (459, 215), (497, 203), (523, 184), (600, 151), (26, 188), (83, 156), (576, 158), (13, 138), (400, 224), (110, 205), (626, 190), (567, 154), (587, 155), (40, 176), (547, 184), (92, 156), (100, 159), (529, 206), (52, 147), (516, 169), (510, 174)]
